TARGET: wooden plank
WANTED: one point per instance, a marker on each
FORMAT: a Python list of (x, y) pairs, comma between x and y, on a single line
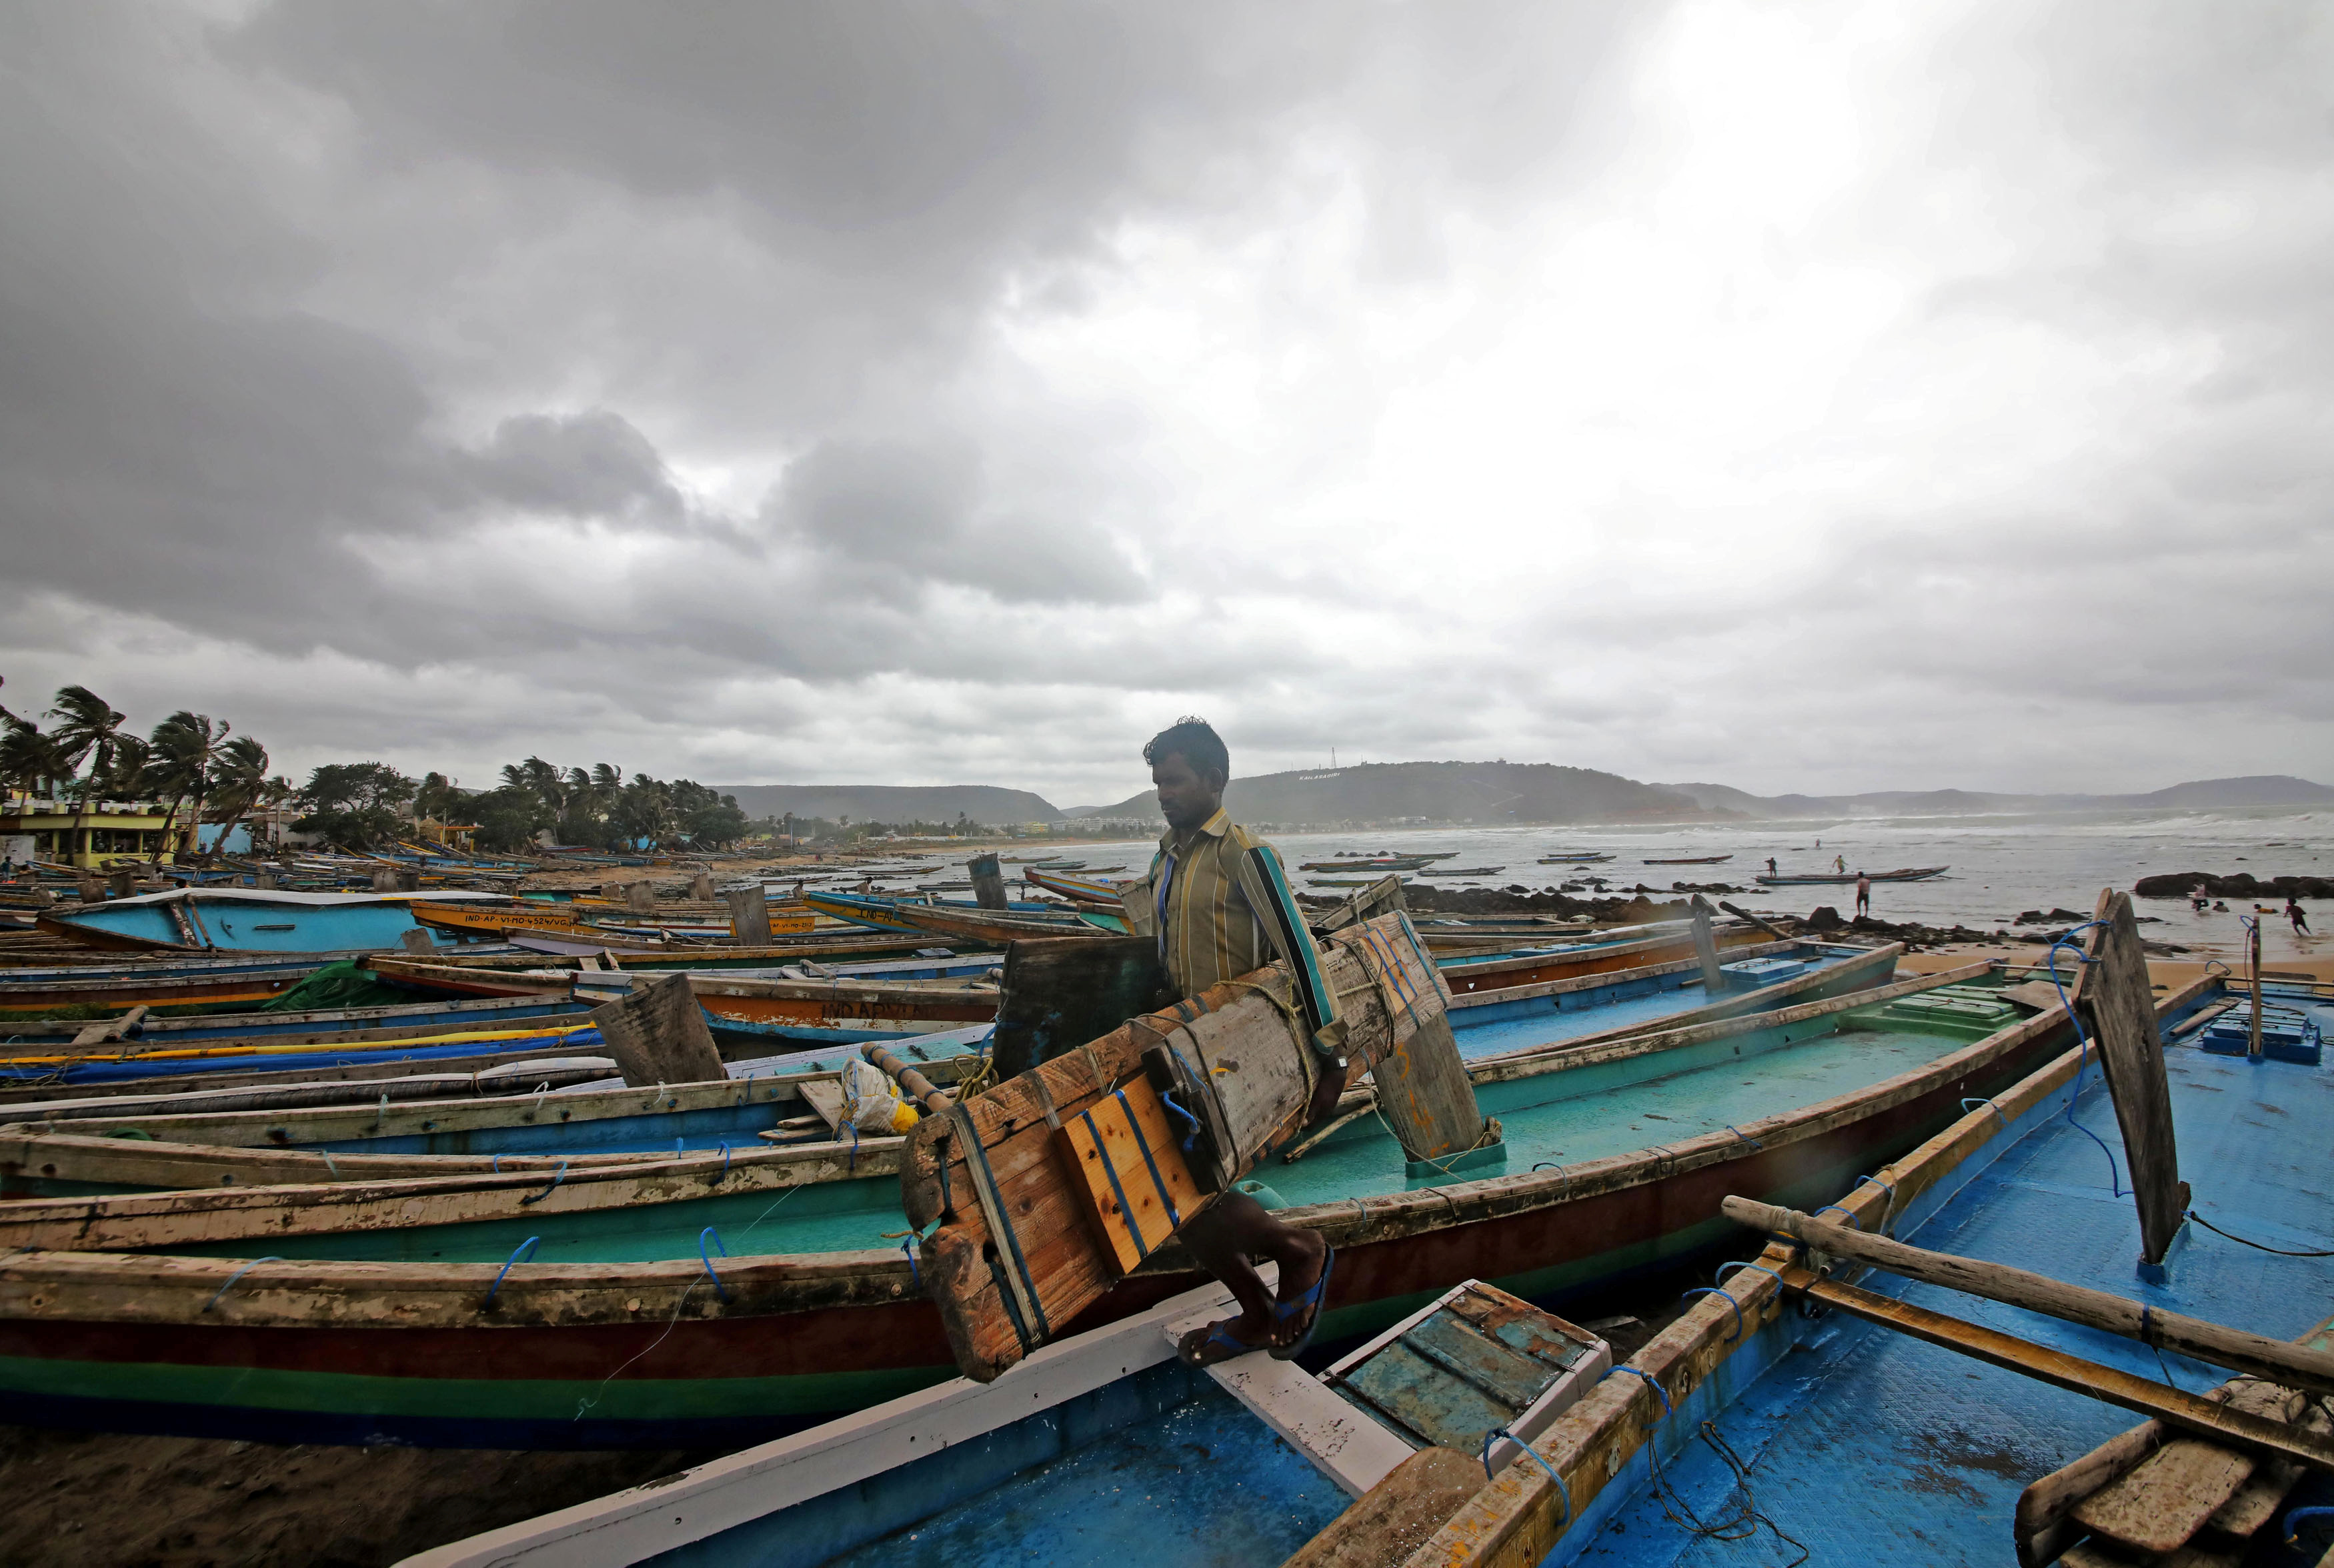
[(1343, 1443), (1428, 1098), (2175, 1407), (987, 882), (2300, 1365), (2167, 1498), (2116, 998), (1706, 950), (107, 1031), (749, 915), (1397, 1514), (1506, 1374), (2039, 1523), (1136, 1186), (825, 1097), (656, 1033), (1420, 1395), (2257, 1500)]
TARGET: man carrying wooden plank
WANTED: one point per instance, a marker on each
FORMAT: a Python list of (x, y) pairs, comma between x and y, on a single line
[(1219, 902)]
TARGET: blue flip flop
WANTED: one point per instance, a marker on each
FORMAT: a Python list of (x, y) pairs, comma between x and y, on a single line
[(1216, 1346), (1309, 1302)]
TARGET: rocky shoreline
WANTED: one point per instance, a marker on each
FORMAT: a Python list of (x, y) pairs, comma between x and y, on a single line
[(2243, 885)]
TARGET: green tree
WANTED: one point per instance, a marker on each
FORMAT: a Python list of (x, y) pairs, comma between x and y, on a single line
[(185, 747), (238, 778), (89, 730), (29, 760), (355, 803)]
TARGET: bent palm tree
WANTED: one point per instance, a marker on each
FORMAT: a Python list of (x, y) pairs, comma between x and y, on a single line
[(237, 775), (184, 745), (87, 728)]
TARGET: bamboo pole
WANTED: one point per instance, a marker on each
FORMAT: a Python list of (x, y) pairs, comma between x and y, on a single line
[(2252, 952), (2278, 1361), (934, 1098)]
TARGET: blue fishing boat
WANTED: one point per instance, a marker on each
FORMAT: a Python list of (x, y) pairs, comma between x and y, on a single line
[(244, 920), (1762, 1428)]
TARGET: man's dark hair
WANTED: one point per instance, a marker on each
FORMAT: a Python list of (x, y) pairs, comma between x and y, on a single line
[(1194, 740)]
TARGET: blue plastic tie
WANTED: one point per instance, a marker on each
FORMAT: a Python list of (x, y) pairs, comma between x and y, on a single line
[(1986, 1100), (1835, 1208), (710, 1233), (2297, 1517), (1714, 1290), (725, 1160), (518, 1254), (497, 1166), (1495, 1434), (557, 1177), (1652, 1382), (915, 1274), (1761, 1267), (1188, 1138), (238, 1274), (2082, 1046), (1751, 1141), (851, 1160)]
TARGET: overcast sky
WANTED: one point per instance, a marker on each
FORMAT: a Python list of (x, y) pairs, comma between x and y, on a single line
[(1821, 396)]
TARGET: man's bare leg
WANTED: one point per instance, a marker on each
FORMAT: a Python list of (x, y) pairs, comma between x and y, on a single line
[(1233, 1229)]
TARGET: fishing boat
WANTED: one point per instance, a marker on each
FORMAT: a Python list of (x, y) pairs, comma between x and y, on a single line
[(1343, 882), (1080, 889), (1832, 879), (715, 1304), (572, 921), (132, 1061), (1737, 1420), (1485, 1024), (1462, 872), (1574, 857), (1691, 860), (961, 922), (248, 920), (33, 994), (1370, 863)]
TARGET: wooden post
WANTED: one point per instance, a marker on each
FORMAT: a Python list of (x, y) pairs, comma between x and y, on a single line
[(657, 1033), (2253, 956), (2299, 1366), (988, 881), (1427, 1099), (417, 940), (641, 897), (2114, 996), (1705, 949), (749, 915), (700, 886), (385, 881)]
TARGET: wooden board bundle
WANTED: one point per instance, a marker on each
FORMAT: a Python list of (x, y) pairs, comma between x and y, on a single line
[(1027, 1239)]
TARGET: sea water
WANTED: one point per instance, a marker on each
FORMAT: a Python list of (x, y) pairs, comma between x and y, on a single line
[(2002, 866)]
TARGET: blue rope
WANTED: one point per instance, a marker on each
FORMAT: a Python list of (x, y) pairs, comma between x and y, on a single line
[(914, 1273), (2296, 1518), (851, 1161), (238, 1274), (1835, 1208), (725, 1160), (1751, 1141), (1761, 1267), (557, 1177), (1188, 1138), (710, 1233), (522, 1250), (1986, 1100), (2082, 1046), (497, 1167), (1652, 1382), (1714, 1290), (1495, 1434)]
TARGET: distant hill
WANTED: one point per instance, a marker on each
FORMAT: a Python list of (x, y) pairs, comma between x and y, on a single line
[(1439, 792), (2205, 795), (892, 802)]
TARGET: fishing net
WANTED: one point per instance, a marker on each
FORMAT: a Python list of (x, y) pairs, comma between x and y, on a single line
[(336, 987)]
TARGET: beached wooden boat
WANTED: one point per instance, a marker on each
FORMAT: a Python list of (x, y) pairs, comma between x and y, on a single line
[(399, 1312), (1691, 860), (247, 921), (143, 1146), (1834, 1429), (1832, 879), (1576, 858), (51, 992), (580, 922), (1462, 871), (1370, 863), (1083, 889), (958, 922)]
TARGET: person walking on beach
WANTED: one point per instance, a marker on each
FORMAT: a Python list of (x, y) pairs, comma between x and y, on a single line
[(1839, 865), (1222, 908), (2295, 913), (1863, 895)]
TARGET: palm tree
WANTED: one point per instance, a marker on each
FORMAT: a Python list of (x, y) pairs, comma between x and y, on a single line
[(28, 759), (87, 728), (238, 773), (186, 746)]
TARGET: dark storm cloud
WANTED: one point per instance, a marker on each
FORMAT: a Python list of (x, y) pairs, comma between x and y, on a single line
[(455, 374)]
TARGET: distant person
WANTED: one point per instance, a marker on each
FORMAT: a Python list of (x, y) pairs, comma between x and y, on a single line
[(1770, 865), (2295, 913), (1863, 895), (2200, 899), (2221, 905), (1839, 864)]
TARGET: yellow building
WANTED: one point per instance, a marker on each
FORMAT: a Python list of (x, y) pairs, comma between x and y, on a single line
[(107, 831)]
